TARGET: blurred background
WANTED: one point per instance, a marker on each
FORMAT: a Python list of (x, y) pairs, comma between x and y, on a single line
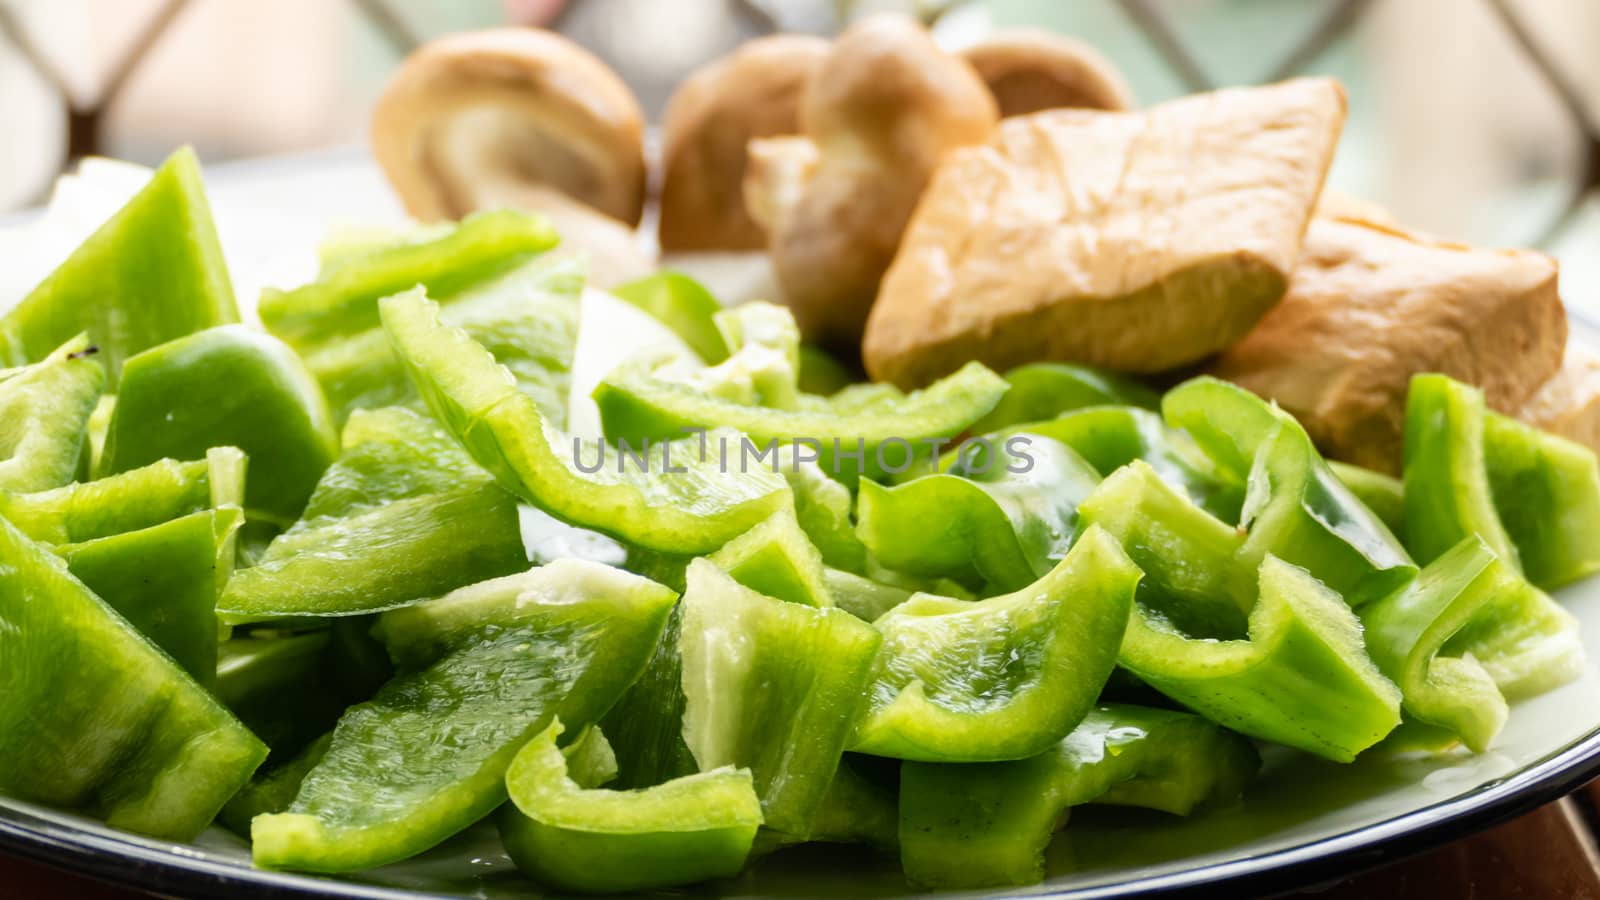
[(1474, 119)]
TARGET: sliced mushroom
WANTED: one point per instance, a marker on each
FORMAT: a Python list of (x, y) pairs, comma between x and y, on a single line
[(1136, 241), (1370, 306), (1569, 403), (880, 113), (521, 118), (1030, 69), (752, 93)]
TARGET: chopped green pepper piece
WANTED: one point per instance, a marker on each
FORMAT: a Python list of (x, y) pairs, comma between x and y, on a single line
[(482, 671), (1000, 521), (646, 725), (680, 503), (1408, 632), (776, 559), (1295, 508), (1296, 673), (862, 805), (1547, 493), (987, 824), (1002, 678), (151, 273), (273, 788), (690, 829), (1383, 494), (773, 687), (862, 597), (228, 386), (96, 717), (683, 305), (823, 506), (1041, 391), (44, 417)]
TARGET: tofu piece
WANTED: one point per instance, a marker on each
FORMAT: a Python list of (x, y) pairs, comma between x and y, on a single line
[(1569, 403), (1135, 241), (1371, 306)]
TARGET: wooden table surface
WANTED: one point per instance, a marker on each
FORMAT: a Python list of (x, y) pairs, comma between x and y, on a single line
[(1549, 854)]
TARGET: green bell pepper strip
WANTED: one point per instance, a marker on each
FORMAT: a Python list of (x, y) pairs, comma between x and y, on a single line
[(776, 559), (683, 305), (1408, 631), (482, 670), (273, 788), (148, 496), (1524, 639), (1296, 673), (987, 824), (589, 758), (44, 417), (153, 272), (823, 508), (345, 245), (1547, 493), (97, 717), (98, 427), (589, 840), (645, 727), (1003, 525), (1002, 678), (862, 597), (1295, 508), (1384, 494), (691, 507), (527, 317), (346, 301), (164, 580), (773, 687), (1041, 391), (228, 386)]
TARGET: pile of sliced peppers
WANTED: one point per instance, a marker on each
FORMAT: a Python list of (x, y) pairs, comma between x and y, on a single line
[(347, 586)]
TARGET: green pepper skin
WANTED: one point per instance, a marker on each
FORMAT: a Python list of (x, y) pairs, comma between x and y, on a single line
[(345, 300), (44, 417), (97, 717), (687, 830), (987, 824), (995, 525), (1002, 678), (646, 725), (772, 687), (1408, 631), (695, 510), (862, 597), (1547, 493), (776, 559), (1384, 494), (683, 305), (228, 386), (482, 671), (1041, 391), (1295, 508), (153, 272)]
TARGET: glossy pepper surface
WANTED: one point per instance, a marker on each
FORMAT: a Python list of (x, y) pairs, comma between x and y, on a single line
[(44, 417), (1041, 391)]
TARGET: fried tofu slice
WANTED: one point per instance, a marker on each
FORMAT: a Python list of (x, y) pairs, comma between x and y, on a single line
[(1371, 306), (1569, 403), (1135, 241)]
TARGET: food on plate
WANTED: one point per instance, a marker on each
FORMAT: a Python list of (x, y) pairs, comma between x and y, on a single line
[(753, 92), (1135, 241), (1371, 305), (523, 119), (1569, 403), (875, 120), (1029, 69)]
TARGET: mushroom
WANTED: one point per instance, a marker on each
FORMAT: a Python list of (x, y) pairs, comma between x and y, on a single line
[(879, 115), (753, 92), (1030, 69), (1569, 403), (521, 118)]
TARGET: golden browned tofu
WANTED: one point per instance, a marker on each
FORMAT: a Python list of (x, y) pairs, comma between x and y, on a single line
[(1371, 306), (1137, 241), (1569, 403)]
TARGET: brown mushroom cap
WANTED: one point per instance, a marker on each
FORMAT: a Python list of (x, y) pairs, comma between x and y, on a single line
[(753, 92), (1029, 70), (476, 120), (880, 113)]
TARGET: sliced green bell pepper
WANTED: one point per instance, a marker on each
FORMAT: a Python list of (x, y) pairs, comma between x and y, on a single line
[(862, 805), (987, 824), (862, 597), (1002, 678), (482, 671), (1296, 673), (1384, 494), (676, 501), (153, 272), (1041, 391), (683, 305), (44, 417), (1001, 521), (273, 788), (822, 374), (229, 386), (1547, 493), (823, 508), (690, 829), (773, 687), (1295, 508), (97, 717), (646, 725), (776, 559)]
